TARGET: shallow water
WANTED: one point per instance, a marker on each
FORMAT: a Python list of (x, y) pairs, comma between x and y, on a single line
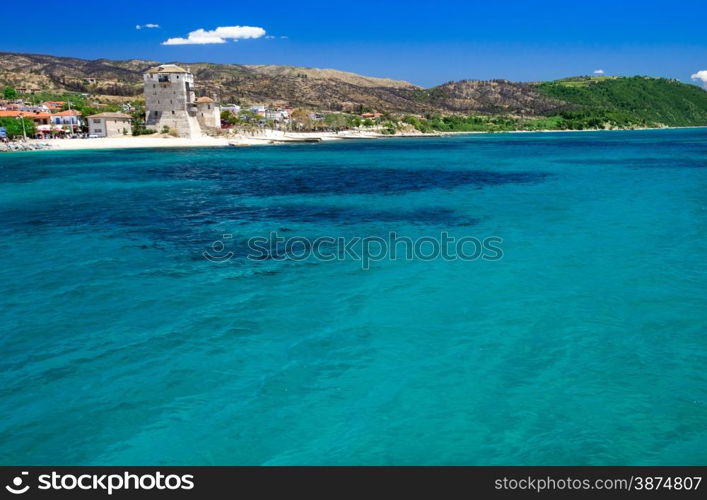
[(585, 344)]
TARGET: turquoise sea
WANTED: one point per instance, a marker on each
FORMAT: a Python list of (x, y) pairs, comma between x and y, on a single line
[(585, 344)]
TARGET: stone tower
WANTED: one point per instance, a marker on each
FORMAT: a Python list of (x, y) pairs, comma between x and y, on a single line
[(170, 102), (208, 113)]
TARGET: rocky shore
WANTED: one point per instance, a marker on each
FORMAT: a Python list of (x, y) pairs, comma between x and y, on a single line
[(23, 146)]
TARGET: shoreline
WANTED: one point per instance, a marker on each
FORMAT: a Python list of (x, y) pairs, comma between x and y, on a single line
[(266, 138)]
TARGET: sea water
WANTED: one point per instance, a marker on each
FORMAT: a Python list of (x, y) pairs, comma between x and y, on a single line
[(586, 343)]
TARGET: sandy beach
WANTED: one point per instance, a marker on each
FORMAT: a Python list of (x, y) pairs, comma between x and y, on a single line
[(267, 137), (259, 138), (132, 142)]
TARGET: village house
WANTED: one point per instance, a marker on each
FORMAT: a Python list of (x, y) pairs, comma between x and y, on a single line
[(69, 118), (109, 124), (39, 118), (278, 115), (54, 106), (28, 90), (232, 108), (259, 110)]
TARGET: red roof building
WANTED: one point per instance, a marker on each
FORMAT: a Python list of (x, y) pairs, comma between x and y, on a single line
[(68, 112), (37, 118), (54, 105)]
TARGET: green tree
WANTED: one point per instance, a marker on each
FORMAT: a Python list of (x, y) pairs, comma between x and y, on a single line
[(335, 121), (14, 127), (9, 93)]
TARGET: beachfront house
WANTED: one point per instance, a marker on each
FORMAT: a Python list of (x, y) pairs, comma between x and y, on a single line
[(109, 125), (39, 118), (70, 119)]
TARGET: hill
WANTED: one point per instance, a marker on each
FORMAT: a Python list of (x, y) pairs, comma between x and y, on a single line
[(320, 89), (490, 97), (638, 99), (580, 102)]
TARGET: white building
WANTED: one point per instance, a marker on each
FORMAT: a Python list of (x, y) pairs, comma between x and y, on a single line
[(109, 124), (258, 110), (70, 118), (278, 115), (233, 108)]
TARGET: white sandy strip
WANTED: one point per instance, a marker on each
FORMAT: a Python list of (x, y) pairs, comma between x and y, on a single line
[(133, 142), (152, 141), (258, 138)]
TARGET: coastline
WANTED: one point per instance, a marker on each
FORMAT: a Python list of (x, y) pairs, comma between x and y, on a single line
[(264, 138)]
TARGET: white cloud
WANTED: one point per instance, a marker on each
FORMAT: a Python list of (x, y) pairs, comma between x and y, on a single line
[(269, 37), (218, 35), (598, 71), (701, 76), (147, 26)]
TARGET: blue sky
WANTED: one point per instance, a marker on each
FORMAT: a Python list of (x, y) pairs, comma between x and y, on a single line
[(427, 43)]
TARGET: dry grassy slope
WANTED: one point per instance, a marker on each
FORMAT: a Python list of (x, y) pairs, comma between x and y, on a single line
[(493, 96), (329, 74), (324, 89)]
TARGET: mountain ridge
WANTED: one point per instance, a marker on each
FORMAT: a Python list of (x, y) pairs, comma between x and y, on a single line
[(583, 101)]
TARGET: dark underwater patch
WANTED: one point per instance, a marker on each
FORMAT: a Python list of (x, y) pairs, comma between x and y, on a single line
[(332, 179), (174, 220), (190, 214)]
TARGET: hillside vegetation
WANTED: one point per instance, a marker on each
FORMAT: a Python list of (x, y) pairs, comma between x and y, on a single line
[(638, 101)]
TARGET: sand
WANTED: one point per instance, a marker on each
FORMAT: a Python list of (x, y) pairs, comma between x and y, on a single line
[(132, 142), (259, 138)]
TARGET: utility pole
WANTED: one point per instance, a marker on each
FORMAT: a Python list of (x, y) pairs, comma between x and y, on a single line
[(24, 133)]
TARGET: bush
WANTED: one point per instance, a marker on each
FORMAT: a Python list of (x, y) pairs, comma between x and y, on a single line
[(143, 131), (9, 93)]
